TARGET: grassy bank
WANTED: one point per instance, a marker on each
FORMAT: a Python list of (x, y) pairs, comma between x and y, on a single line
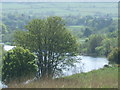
[(103, 78)]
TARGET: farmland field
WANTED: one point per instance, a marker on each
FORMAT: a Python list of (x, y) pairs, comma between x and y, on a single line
[(61, 9)]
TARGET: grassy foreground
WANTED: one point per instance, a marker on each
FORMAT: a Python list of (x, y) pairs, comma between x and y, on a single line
[(102, 78)]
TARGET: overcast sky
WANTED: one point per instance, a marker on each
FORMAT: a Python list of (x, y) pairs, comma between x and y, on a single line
[(59, 0)]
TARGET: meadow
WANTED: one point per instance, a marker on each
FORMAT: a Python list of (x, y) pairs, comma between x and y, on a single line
[(103, 78)]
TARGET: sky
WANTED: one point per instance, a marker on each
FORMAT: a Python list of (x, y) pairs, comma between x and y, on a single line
[(59, 0)]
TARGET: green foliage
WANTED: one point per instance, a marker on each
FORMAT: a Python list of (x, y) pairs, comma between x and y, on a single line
[(77, 24), (1, 48), (3, 28), (17, 63), (1, 54), (93, 43), (107, 45), (16, 15), (114, 56), (50, 40), (87, 32), (100, 45)]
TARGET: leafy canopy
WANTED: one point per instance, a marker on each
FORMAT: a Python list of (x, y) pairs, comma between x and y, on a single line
[(50, 40)]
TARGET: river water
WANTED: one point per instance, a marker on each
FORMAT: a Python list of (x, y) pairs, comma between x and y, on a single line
[(85, 64)]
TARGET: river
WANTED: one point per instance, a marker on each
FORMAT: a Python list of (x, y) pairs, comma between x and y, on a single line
[(85, 64)]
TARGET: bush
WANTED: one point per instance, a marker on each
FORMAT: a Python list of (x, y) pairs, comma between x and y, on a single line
[(114, 56), (17, 63)]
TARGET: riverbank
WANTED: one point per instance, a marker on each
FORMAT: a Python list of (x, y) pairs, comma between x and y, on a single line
[(103, 78)]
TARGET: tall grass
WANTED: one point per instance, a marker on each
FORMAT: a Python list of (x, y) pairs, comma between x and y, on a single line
[(103, 78)]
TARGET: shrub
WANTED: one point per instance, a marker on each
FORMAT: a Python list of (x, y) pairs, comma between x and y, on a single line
[(18, 62), (114, 56)]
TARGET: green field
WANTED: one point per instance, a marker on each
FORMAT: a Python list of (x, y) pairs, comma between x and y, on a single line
[(61, 9), (103, 78), (76, 27)]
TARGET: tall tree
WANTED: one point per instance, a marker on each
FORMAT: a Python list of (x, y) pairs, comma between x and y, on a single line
[(94, 41), (50, 41)]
